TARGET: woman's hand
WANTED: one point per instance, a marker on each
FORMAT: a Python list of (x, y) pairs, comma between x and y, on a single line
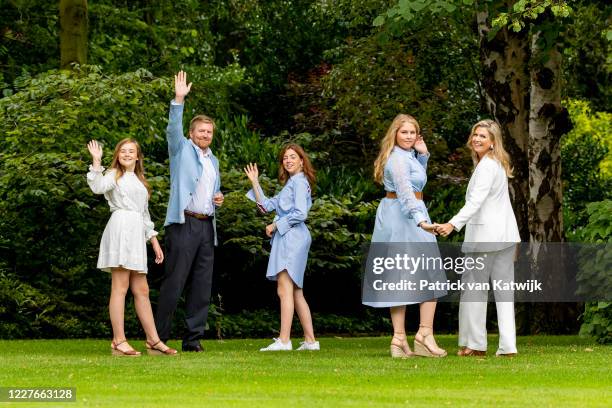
[(270, 229), (159, 254), (181, 89), (420, 145), (252, 173), (445, 229), (431, 228), (95, 149)]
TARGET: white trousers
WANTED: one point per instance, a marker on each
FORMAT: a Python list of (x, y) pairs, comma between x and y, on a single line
[(499, 266)]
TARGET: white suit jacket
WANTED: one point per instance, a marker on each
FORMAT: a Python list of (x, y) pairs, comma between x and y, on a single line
[(487, 213)]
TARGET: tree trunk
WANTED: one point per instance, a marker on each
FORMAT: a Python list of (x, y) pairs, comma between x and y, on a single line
[(522, 86), (504, 59), (548, 121), (73, 32)]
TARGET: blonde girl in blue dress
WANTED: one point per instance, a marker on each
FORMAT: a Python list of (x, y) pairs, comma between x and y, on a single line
[(290, 240), (402, 217), (123, 250)]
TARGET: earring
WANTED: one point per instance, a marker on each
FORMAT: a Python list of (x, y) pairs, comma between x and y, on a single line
[(491, 147)]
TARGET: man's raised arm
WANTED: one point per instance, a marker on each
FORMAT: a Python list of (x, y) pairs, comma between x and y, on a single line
[(174, 132)]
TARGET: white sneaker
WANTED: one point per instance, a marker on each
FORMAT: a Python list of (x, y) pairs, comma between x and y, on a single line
[(278, 345), (304, 345)]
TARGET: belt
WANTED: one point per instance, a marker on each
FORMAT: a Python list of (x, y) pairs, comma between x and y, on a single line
[(198, 216), (417, 194)]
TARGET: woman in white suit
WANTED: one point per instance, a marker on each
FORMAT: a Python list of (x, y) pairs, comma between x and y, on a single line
[(490, 232)]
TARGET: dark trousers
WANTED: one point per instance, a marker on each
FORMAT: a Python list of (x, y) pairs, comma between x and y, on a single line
[(189, 262)]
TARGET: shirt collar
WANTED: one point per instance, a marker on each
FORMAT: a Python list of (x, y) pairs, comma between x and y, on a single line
[(205, 153)]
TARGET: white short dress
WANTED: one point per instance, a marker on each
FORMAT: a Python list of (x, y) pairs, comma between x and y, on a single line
[(124, 241)]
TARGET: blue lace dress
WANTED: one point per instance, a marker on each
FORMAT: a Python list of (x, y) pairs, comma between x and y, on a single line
[(397, 220)]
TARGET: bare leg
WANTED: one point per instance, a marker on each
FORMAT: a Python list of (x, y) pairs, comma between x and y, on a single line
[(427, 310), (140, 290), (303, 312), (425, 334), (284, 289), (398, 319), (116, 306)]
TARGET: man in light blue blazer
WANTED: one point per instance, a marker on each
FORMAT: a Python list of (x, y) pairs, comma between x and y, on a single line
[(190, 225)]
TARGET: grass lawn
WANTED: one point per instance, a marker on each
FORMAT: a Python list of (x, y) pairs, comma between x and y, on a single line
[(549, 371)]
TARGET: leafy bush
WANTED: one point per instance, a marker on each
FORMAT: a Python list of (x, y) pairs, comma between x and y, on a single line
[(265, 323), (52, 222), (586, 153), (594, 275)]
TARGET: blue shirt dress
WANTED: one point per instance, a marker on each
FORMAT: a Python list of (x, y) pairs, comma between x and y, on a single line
[(397, 219), (291, 240)]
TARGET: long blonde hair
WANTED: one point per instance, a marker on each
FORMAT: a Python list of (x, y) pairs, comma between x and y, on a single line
[(498, 152), (138, 169), (388, 143)]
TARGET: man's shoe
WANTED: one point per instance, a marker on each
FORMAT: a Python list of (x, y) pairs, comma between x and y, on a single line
[(196, 348), (278, 345)]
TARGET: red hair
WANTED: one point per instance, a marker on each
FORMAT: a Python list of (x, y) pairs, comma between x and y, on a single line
[(309, 171)]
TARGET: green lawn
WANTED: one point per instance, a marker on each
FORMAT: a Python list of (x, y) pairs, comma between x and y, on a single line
[(549, 371)]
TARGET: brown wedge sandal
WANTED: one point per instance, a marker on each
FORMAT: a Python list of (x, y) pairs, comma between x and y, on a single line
[(399, 347), (128, 353), (154, 350), (429, 348)]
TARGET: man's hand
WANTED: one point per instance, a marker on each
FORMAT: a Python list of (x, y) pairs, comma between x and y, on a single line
[(218, 199), (181, 89)]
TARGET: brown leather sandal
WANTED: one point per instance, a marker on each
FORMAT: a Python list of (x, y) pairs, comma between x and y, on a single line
[(115, 351), (468, 352), (154, 350)]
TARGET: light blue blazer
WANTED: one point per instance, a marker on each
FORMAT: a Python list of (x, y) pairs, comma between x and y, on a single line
[(185, 169)]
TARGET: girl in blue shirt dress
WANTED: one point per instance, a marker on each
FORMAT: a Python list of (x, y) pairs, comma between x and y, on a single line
[(402, 217), (290, 240)]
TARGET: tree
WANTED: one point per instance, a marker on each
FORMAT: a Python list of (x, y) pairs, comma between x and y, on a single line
[(521, 77), (521, 84), (73, 32)]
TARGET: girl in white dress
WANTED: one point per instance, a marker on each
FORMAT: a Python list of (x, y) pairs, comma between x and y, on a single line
[(123, 250)]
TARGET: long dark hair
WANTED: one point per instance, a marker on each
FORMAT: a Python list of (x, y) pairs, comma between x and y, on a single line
[(309, 171)]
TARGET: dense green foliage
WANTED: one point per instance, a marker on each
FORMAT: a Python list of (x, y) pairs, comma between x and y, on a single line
[(314, 72), (595, 267)]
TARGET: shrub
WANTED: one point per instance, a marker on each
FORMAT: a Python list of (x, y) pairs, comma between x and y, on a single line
[(594, 275)]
